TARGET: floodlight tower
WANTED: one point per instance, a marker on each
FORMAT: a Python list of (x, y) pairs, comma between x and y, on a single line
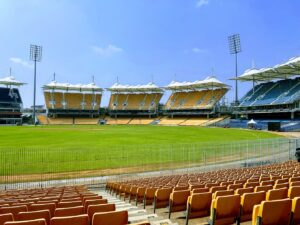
[(235, 48), (35, 56)]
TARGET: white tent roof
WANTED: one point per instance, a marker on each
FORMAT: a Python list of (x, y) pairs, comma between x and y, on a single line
[(10, 80), (280, 71), (207, 83), (53, 85), (150, 87), (251, 122)]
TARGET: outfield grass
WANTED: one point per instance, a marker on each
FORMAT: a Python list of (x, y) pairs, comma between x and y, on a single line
[(56, 149)]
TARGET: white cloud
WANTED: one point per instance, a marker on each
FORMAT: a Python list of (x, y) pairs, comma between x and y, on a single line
[(108, 50), (21, 62), (197, 50), (201, 3)]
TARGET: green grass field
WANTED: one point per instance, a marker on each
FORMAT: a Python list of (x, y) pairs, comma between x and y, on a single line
[(57, 149)]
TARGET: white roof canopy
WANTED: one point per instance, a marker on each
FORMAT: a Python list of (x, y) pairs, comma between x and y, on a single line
[(150, 87), (208, 83), (10, 80), (53, 85), (281, 71)]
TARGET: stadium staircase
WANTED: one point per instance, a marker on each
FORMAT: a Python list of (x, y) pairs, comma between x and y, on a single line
[(135, 213)]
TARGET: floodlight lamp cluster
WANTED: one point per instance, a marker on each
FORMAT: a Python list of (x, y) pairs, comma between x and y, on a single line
[(234, 44), (36, 53)]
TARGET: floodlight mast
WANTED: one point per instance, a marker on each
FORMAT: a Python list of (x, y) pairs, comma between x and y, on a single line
[(235, 48), (35, 56)]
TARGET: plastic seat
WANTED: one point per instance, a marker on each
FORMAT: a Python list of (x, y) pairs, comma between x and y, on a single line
[(42, 214), (282, 185), (241, 191), (6, 217), (113, 218), (49, 206), (295, 218), (276, 212), (264, 188), (140, 193), (192, 187), (267, 182), (199, 190), (71, 211), (69, 204), (295, 183), (13, 209), (225, 210), (94, 202), (47, 202), (149, 196), (178, 201), (92, 209), (222, 193), (251, 184), (27, 222), (234, 186), (277, 194), (70, 220), (248, 201), (161, 198), (132, 193), (217, 188), (294, 192), (198, 205), (93, 197)]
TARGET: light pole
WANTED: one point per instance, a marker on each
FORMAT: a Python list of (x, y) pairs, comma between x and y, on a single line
[(235, 48), (35, 56)]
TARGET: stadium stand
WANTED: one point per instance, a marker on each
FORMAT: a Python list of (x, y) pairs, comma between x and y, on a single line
[(10, 101), (194, 98), (247, 202), (277, 94), (139, 100), (66, 100)]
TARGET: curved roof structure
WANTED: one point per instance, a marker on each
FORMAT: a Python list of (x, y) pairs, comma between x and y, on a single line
[(208, 83), (10, 80), (150, 87), (284, 70), (53, 85)]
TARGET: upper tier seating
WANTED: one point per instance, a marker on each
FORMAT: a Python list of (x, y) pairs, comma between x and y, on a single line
[(273, 93), (10, 95), (134, 101), (72, 101), (205, 99)]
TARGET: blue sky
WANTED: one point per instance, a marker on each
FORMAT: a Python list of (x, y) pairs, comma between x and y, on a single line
[(136, 40)]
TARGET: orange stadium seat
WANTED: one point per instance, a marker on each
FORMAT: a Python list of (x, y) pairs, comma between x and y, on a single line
[(92, 209), (295, 217), (178, 201), (70, 220), (198, 205), (161, 198), (87, 203), (71, 211), (13, 209), (114, 218), (277, 194), (6, 217), (225, 209), (27, 222), (272, 212), (46, 206), (248, 201), (42, 214)]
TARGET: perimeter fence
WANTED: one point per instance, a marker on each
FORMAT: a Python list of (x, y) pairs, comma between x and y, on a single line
[(43, 167)]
